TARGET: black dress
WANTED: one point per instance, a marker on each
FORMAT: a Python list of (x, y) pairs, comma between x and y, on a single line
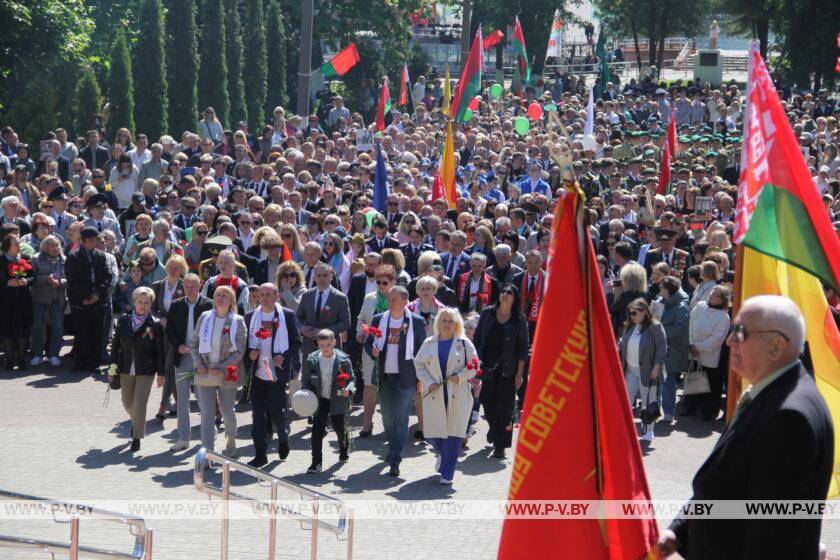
[(16, 302)]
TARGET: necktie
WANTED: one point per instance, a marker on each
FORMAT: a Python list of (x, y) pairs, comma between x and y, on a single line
[(531, 286), (99, 226), (450, 273), (318, 306), (309, 278), (187, 222), (58, 222), (742, 405)]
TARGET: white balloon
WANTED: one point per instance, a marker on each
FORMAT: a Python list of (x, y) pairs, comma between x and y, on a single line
[(304, 402)]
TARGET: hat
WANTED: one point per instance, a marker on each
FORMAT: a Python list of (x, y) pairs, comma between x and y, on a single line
[(825, 169), (710, 154), (21, 169), (648, 171), (89, 233), (665, 233), (217, 244), (651, 179), (659, 91), (98, 199), (138, 198), (57, 193)]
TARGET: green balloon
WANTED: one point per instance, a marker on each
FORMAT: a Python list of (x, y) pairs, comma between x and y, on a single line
[(521, 125), (551, 107), (468, 115), (496, 91)]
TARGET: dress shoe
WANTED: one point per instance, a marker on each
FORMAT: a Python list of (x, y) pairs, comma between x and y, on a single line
[(343, 456), (498, 454), (36, 361), (135, 444), (258, 462), (314, 468), (55, 360), (283, 450), (366, 433), (179, 445), (419, 435), (394, 471)]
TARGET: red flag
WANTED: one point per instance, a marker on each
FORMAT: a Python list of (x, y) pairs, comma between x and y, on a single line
[(404, 86), (384, 106), (493, 39), (577, 439), (287, 254), (671, 137), (437, 187), (664, 171)]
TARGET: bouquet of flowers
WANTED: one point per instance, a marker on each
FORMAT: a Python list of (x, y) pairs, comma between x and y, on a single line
[(372, 331), (231, 374), (263, 333), (20, 269), (344, 382), (475, 365)]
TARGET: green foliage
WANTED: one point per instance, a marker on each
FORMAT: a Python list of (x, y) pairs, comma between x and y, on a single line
[(809, 28), (87, 102), (182, 66), (34, 112), (120, 88), (212, 70), (255, 71), (233, 53), (150, 84), (275, 37)]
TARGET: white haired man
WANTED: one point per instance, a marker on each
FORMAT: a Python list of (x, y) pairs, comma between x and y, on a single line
[(779, 444)]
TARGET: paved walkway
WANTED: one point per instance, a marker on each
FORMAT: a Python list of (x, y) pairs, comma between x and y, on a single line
[(59, 439)]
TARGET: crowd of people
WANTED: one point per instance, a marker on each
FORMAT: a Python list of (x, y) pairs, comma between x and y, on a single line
[(241, 268)]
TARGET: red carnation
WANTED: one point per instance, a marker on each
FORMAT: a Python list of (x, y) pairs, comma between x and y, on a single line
[(231, 373), (13, 269), (342, 379), (372, 331), (263, 333)]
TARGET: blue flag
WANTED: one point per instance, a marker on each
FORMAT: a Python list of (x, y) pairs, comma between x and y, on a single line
[(380, 183)]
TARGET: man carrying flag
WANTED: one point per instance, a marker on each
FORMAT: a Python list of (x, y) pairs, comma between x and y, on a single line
[(576, 413)]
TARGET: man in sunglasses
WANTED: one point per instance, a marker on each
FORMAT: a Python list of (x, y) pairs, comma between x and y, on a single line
[(779, 444)]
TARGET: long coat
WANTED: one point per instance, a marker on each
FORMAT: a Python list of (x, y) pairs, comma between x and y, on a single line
[(439, 420), (675, 321)]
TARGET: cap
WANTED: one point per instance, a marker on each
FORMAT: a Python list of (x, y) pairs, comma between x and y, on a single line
[(217, 244), (89, 233), (138, 198), (660, 91), (825, 169), (57, 193), (98, 199), (665, 233)]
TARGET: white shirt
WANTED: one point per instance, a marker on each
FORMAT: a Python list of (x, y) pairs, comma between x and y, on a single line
[(392, 357), (326, 374), (247, 240), (633, 348), (167, 294), (139, 158), (266, 346), (370, 286), (473, 291), (191, 320)]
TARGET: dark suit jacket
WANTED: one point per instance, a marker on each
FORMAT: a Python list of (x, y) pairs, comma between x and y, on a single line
[(780, 447), (463, 297), (408, 375), (355, 298), (679, 265), (260, 275), (176, 322), (463, 264), (179, 221), (411, 256), (291, 361), (389, 243), (335, 315), (81, 283), (22, 225), (157, 288), (102, 157)]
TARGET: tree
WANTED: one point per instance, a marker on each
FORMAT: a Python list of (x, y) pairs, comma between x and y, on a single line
[(233, 53), (150, 72), (182, 66), (87, 102), (120, 89), (254, 73), (276, 41), (809, 28), (212, 70)]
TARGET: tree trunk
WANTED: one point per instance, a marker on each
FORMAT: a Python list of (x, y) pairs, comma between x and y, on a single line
[(636, 43), (652, 34), (663, 34), (762, 32)]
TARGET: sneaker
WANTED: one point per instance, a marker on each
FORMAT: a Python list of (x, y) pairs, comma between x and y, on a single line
[(179, 445), (36, 361), (258, 462), (314, 468), (343, 457), (437, 464), (394, 471), (445, 482), (648, 436), (54, 360), (668, 418)]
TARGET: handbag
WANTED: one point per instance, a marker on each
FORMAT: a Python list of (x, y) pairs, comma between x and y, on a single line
[(696, 380), (213, 378), (650, 413)]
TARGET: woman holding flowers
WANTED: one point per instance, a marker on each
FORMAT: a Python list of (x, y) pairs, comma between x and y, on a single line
[(16, 276), (447, 360), (217, 347)]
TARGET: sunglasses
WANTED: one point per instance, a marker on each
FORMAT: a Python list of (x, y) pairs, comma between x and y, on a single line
[(166, 182), (507, 291), (287, 236), (200, 232), (635, 313), (741, 334), (383, 282), (329, 244), (245, 223)]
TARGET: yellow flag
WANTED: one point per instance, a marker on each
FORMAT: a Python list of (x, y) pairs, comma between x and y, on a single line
[(447, 168), (447, 93)]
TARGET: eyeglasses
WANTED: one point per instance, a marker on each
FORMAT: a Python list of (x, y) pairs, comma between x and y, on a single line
[(635, 313), (46, 206), (166, 182), (75, 206), (245, 223), (188, 207), (507, 291), (329, 244), (287, 236), (147, 263), (200, 232), (383, 282), (393, 203), (741, 334)]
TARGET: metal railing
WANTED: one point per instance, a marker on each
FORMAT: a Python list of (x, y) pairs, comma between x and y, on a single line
[(341, 526), (137, 526)]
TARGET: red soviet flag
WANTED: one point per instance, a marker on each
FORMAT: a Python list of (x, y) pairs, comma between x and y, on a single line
[(577, 440), (664, 172)]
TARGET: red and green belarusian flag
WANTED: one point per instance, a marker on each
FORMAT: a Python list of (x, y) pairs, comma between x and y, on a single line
[(341, 63), (384, 106), (470, 83), (521, 53), (404, 85), (788, 244)]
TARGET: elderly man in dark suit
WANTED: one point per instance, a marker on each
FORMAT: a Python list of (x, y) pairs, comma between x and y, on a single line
[(678, 260), (323, 307), (274, 351), (779, 445), (402, 334), (180, 324), (88, 283)]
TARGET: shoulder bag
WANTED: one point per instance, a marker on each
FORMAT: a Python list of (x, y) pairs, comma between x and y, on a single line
[(696, 380)]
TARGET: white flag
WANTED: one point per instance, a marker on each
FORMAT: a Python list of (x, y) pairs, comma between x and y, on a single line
[(555, 37), (589, 127)]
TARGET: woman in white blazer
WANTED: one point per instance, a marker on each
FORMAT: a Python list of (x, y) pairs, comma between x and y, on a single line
[(444, 365), (708, 327)]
